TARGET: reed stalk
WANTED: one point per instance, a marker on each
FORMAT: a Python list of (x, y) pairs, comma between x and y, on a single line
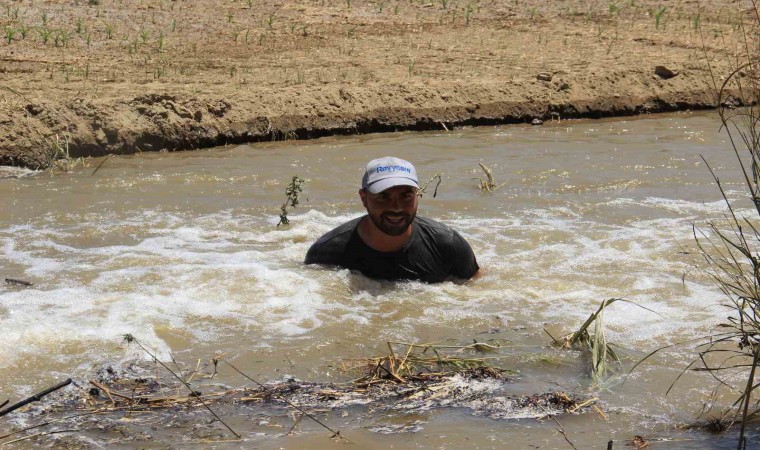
[(730, 247)]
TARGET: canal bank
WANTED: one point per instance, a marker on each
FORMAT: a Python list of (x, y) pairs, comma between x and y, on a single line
[(93, 79)]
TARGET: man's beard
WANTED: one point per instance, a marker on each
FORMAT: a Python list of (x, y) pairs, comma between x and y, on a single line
[(393, 227)]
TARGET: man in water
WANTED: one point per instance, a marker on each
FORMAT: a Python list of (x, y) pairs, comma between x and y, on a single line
[(391, 242)]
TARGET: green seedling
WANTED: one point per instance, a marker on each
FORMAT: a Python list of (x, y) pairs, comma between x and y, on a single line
[(468, 14), (23, 30), (45, 34), (292, 192), (10, 34), (658, 17)]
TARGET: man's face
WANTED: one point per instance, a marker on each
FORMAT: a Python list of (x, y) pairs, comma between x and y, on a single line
[(393, 209)]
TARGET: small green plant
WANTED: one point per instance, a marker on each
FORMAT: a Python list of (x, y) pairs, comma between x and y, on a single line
[(58, 158), (45, 34), (23, 30), (160, 43), (61, 38), (658, 17), (230, 16), (468, 13), (444, 4), (159, 70), (143, 35), (270, 20), (174, 25), (10, 34), (109, 29), (293, 192), (45, 18), (532, 12), (80, 25), (614, 9)]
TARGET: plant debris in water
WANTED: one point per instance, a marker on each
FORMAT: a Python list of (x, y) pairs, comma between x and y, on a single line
[(136, 402)]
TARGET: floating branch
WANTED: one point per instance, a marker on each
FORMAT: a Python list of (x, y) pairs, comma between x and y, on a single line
[(435, 191), (488, 184), (128, 338), (34, 398)]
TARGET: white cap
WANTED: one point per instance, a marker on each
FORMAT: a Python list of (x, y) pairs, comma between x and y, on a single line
[(387, 172)]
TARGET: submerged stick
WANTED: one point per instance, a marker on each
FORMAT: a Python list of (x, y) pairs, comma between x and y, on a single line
[(17, 281), (129, 338), (37, 435), (335, 434), (100, 165), (562, 431), (35, 398)]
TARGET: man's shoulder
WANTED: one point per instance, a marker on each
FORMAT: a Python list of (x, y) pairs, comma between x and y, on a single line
[(331, 244), (434, 227)]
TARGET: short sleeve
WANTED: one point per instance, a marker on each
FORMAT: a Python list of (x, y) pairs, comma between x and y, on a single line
[(465, 264)]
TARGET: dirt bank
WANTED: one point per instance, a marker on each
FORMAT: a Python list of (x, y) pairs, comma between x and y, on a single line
[(107, 76)]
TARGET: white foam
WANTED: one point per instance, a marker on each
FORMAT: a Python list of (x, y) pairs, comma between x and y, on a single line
[(231, 274)]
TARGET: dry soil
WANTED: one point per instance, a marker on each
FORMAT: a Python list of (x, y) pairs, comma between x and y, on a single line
[(123, 76)]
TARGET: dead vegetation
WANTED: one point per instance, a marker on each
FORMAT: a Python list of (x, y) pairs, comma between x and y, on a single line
[(421, 377)]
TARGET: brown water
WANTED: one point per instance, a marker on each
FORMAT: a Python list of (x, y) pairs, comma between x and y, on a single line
[(181, 250)]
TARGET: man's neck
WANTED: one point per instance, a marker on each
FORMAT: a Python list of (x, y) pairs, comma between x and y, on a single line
[(380, 241)]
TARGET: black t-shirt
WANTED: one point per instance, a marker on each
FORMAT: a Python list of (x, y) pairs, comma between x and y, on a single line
[(434, 253)]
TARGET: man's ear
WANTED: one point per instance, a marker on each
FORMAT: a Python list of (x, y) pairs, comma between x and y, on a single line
[(363, 195)]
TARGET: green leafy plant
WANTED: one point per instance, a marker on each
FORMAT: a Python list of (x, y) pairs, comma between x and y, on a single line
[(658, 17), (23, 30), (109, 29), (45, 34), (292, 192), (10, 34)]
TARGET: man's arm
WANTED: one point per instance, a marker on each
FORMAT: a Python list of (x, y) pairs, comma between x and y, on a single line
[(465, 264)]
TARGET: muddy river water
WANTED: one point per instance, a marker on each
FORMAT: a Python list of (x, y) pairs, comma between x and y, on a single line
[(182, 251)]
